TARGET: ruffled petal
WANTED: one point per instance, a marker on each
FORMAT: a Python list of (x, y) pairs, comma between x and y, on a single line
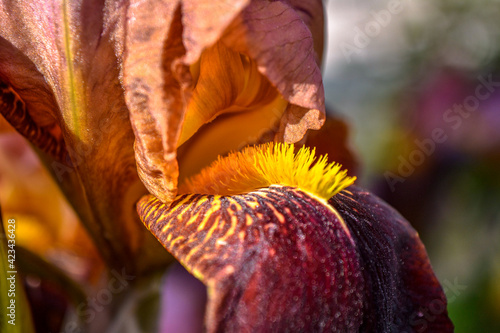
[(252, 62), (277, 37)]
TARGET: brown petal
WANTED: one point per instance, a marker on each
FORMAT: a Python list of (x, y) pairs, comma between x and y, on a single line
[(296, 121), (157, 79), (311, 12), (275, 36), (61, 63), (274, 260)]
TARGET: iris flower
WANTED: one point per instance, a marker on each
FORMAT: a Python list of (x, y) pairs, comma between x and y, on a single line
[(125, 100)]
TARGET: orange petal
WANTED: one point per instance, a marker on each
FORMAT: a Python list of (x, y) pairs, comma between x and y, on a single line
[(227, 82)]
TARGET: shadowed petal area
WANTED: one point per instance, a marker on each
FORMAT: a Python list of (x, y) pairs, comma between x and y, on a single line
[(273, 260), (404, 294), (27, 102), (333, 140)]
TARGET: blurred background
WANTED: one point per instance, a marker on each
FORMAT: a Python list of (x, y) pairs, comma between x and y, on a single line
[(419, 84)]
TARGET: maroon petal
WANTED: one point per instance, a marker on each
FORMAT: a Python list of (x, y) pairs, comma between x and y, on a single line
[(403, 294), (273, 260), (278, 259)]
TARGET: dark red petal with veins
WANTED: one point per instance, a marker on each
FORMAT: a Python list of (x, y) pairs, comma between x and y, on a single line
[(274, 260), (404, 294)]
